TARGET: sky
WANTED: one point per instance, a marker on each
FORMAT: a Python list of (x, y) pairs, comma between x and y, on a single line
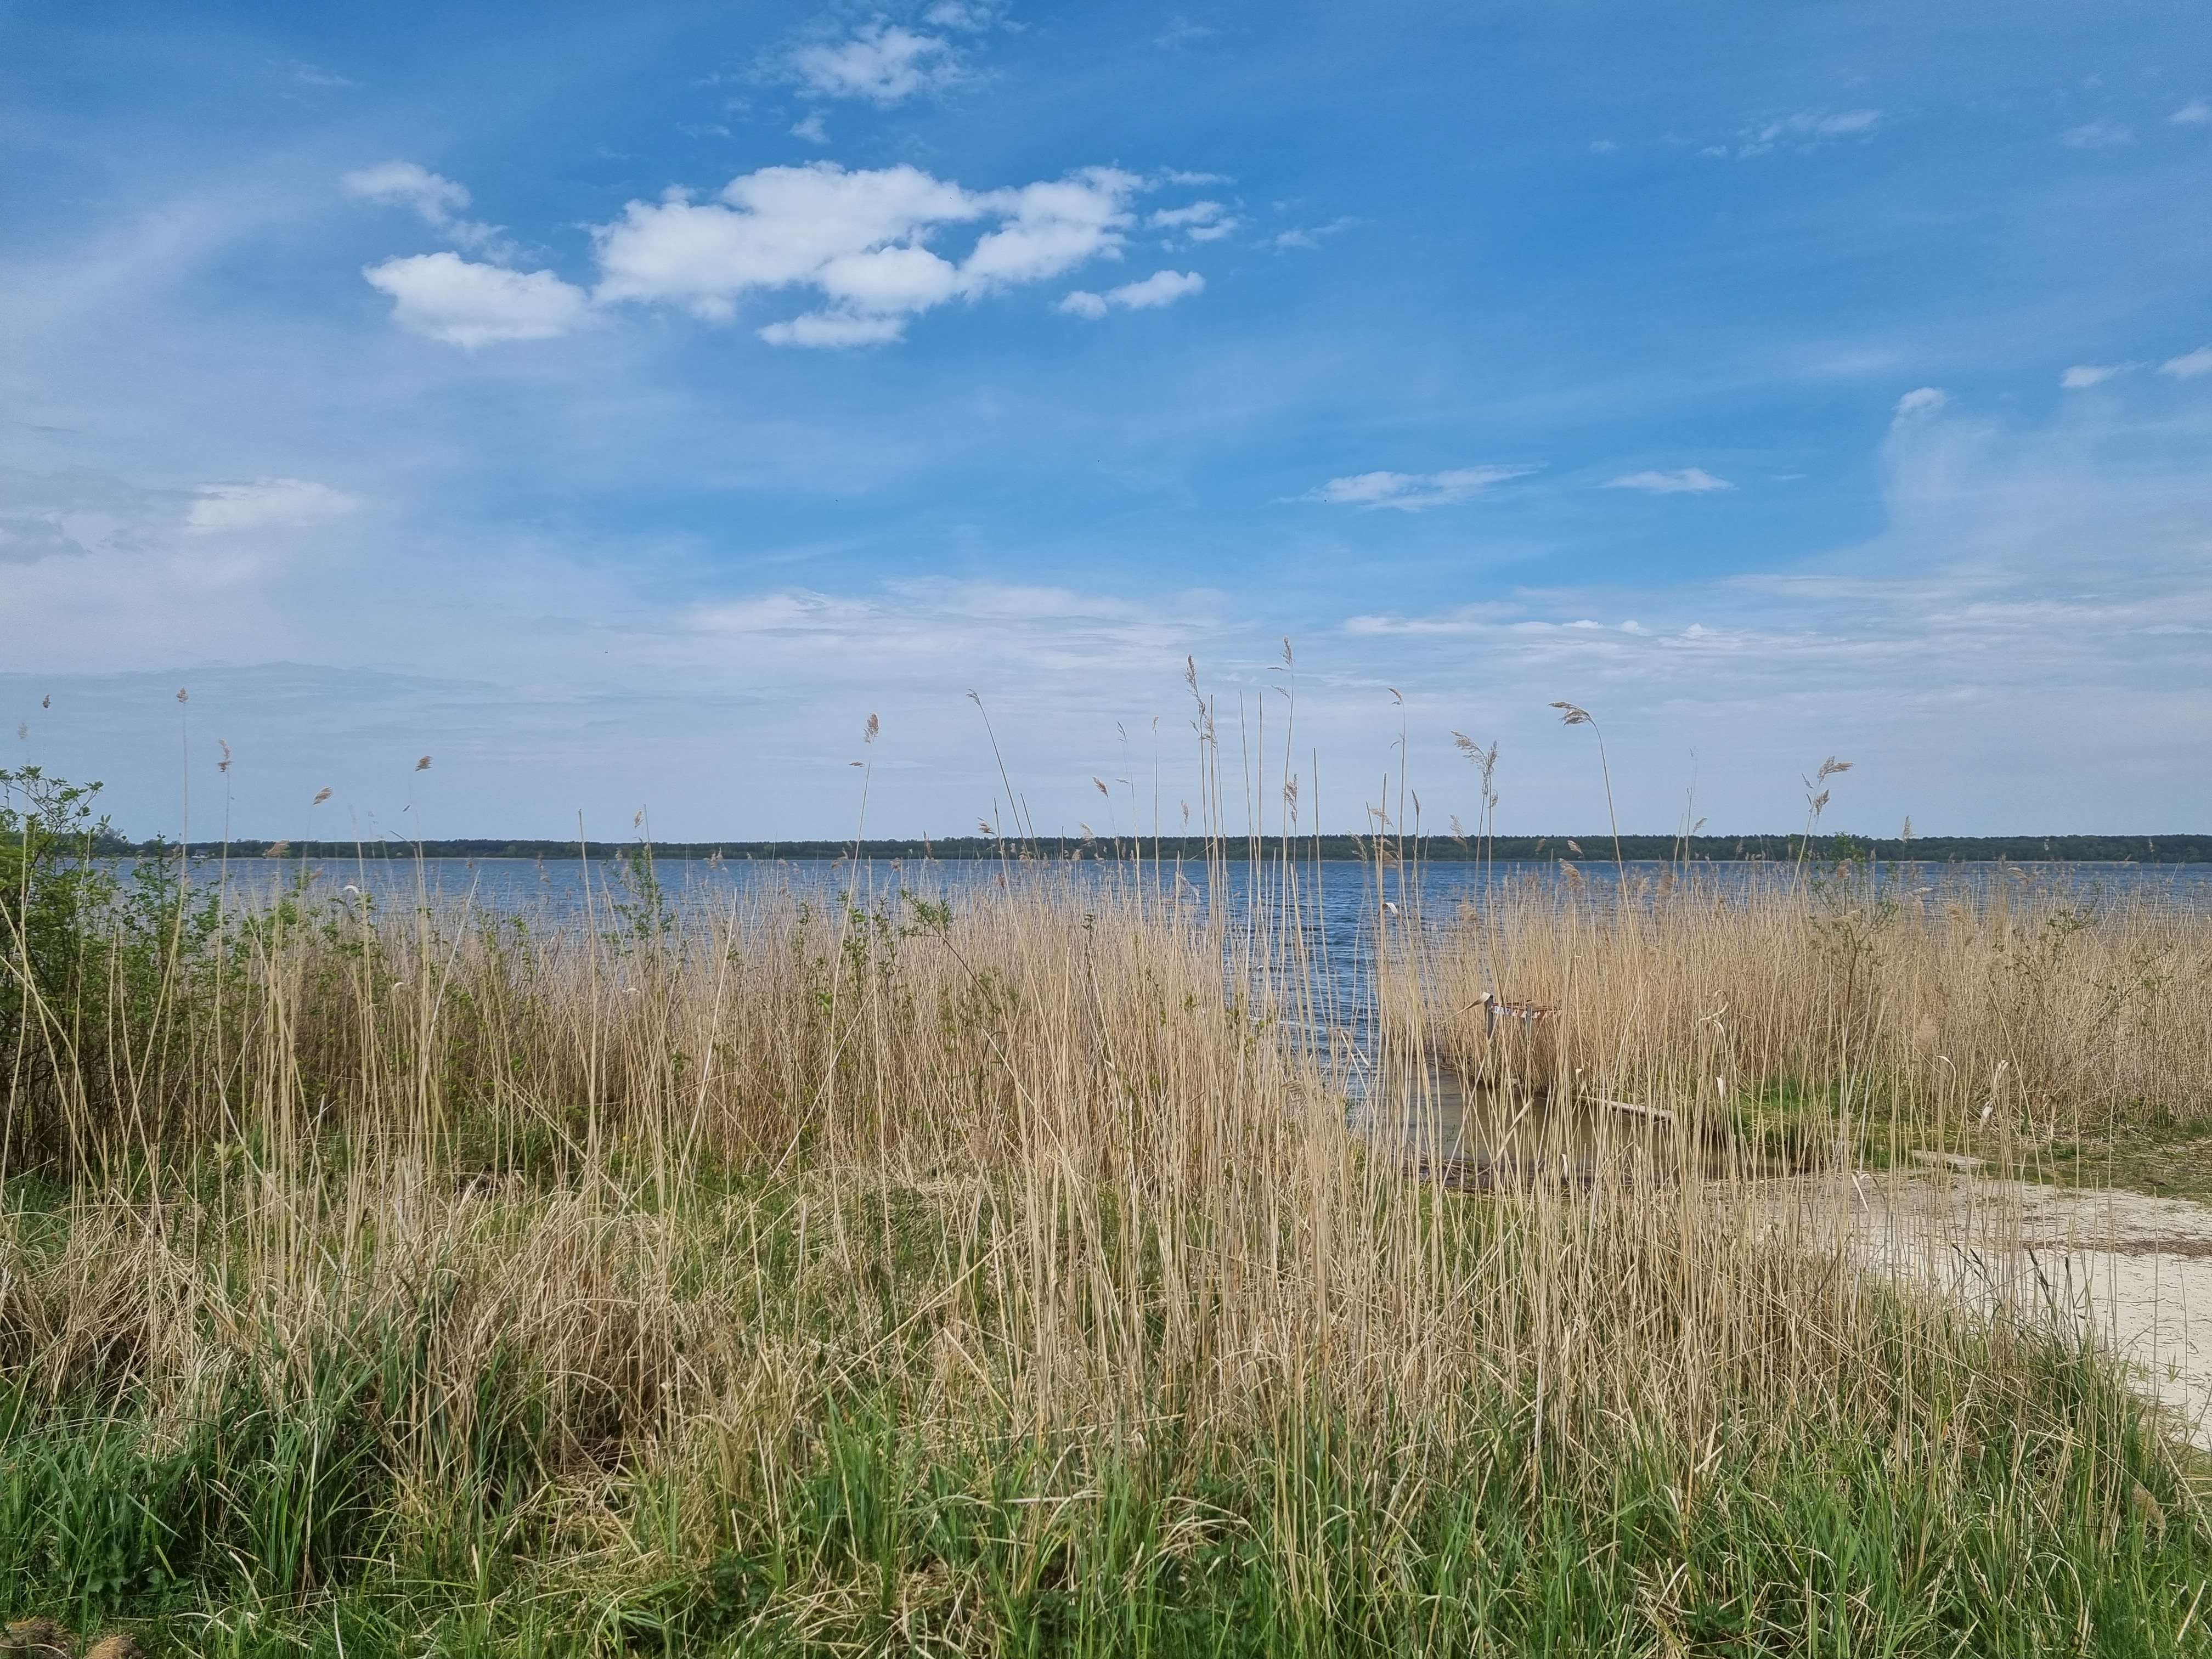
[(620, 406)]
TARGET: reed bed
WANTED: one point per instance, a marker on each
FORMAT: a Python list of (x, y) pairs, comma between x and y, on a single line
[(998, 1269)]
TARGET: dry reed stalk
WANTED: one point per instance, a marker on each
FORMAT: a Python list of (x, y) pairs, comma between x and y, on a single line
[(1037, 1170)]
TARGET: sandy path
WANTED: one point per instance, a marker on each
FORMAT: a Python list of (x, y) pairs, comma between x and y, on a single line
[(2134, 1271)]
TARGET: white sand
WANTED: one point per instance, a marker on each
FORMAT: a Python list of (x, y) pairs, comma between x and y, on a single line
[(2132, 1272)]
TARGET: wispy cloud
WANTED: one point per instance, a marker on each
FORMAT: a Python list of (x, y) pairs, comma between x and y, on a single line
[(1201, 222), (1162, 287), (1921, 401), (1311, 236), (882, 61), (2096, 135), (1809, 124), (1804, 130), (267, 504), (1413, 492), (435, 199), (2189, 365), (1688, 480), (812, 130), (2084, 375), (2194, 114)]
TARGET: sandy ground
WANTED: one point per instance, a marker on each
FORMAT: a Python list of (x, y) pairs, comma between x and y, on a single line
[(2135, 1273)]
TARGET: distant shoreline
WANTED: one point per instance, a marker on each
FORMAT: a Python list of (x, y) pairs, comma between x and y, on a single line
[(1442, 849)]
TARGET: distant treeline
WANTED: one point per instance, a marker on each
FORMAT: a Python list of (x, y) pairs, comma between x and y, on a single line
[(1718, 849)]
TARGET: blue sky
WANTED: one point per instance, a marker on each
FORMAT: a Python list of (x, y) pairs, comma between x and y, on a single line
[(620, 408)]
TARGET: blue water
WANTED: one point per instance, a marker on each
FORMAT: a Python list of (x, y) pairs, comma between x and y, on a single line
[(568, 888)]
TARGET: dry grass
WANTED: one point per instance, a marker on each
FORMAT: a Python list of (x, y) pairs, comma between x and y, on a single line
[(2013, 1012), (620, 1249)]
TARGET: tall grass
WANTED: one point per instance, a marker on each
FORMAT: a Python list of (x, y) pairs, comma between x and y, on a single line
[(987, 1270)]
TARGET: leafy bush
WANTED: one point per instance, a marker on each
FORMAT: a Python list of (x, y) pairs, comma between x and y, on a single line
[(100, 962)]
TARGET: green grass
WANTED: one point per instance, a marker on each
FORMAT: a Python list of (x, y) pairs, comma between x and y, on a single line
[(2013, 1501), (2140, 1148)]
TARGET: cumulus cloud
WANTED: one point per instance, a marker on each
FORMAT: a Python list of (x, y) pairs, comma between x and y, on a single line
[(446, 297), (2084, 375), (1689, 481), (858, 239), (2189, 365), (1921, 400), (267, 504), (1162, 287), (882, 61), (435, 199), (1412, 492)]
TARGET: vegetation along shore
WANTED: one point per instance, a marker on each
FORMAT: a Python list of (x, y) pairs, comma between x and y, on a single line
[(1059, 1266)]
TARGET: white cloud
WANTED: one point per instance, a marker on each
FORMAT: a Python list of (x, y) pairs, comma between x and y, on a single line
[(404, 184), (448, 298), (1690, 480), (834, 328), (1922, 400), (434, 198), (1162, 287), (960, 14), (1809, 125), (268, 504), (774, 228), (1412, 492), (2189, 365), (2084, 376), (858, 239), (1201, 222), (1310, 236), (1602, 147), (2194, 114), (881, 62), (2096, 135), (1051, 228), (812, 130)]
